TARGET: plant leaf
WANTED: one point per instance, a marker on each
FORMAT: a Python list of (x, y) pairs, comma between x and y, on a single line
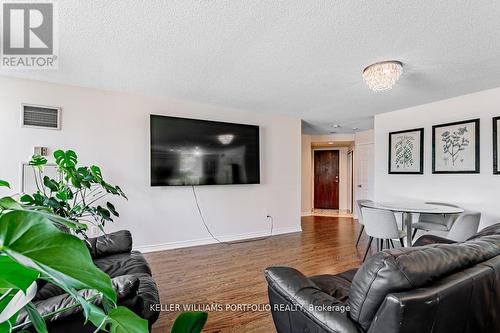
[(3, 183), (15, 275), (65, 160), (96, 172), (74, 225), (118, 320), (112, 209), (15, 301), (6, 326), (189, 322), (36, 319), (9, 203), (27, 199), (104, 213), (30, 238), (37, 160), (123, 320), (50, 183)]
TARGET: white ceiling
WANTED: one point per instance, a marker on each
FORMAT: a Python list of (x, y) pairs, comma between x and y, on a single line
[(295, 57)]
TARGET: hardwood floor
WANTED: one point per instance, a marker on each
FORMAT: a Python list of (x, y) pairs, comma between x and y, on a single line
[(221, 274)]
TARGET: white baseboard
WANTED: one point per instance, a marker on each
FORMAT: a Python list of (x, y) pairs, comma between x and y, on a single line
[(306, 213), (207, 241)]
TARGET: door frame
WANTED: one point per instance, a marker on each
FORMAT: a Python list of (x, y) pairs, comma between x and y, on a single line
[(357, 170), (341, 181)]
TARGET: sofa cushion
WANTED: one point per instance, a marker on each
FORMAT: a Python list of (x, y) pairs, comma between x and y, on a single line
[(53, 304), (123, 264), (428, 239), (408, 268), (337, 286), (112, 243)]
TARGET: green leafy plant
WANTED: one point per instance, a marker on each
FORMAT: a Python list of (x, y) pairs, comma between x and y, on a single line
[(77, 193), (454, 143), (32, 247), (189, 322)]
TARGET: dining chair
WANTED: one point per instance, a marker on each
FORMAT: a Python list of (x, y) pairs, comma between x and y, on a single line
[(381, 225), (465, 226), (360, 217), (435, 222)]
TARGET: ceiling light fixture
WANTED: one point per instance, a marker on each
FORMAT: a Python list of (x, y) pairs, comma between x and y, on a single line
[(383, 75)]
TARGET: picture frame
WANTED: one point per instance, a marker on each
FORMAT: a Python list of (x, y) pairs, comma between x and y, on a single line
[(406, 152), (496, 146), (456, 147)]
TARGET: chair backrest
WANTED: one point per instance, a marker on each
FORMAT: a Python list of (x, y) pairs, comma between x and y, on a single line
[(358, 210), (444, 219), (380, 223), (465, 301), (409, 269), (465, 226)]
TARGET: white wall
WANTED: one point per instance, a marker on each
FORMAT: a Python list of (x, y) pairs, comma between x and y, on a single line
[(471, 191), (306, 175), (112, 130)]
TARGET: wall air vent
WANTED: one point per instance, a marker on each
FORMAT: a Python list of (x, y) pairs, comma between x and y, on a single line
[(39, 116)]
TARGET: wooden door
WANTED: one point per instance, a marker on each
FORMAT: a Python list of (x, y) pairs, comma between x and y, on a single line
[(326, 179)]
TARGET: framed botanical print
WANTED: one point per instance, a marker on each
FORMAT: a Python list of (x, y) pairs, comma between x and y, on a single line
[(406, 152), (496, 146), (455, 147)]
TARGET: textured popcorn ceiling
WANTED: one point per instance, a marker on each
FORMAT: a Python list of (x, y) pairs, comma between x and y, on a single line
[(298, 58)]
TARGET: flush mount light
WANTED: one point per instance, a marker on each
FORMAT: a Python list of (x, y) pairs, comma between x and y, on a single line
[(383, 75), (335, 125), (330, 143), (355, 128)]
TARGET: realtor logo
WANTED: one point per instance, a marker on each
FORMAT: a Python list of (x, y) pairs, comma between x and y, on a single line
[(28, 35)]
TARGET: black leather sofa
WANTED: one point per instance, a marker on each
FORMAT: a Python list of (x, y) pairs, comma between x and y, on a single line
[(131, 278), (436, 286)]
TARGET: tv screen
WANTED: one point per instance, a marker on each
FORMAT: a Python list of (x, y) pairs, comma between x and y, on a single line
[(199, 152)]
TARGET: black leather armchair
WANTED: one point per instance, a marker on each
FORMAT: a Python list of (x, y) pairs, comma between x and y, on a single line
[(131, 278), (439, 286)]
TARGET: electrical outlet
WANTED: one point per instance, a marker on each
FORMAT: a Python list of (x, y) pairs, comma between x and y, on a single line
[(42, 151)]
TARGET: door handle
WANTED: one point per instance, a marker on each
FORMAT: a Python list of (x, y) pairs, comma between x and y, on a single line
[(359, 185)]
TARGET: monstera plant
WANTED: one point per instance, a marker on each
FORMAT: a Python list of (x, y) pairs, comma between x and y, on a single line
[(78, 193), (33, 247)]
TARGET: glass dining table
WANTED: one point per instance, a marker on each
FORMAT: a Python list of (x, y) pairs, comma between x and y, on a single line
[(409, 208)]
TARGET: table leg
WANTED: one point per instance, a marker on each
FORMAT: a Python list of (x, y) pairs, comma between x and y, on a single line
[(407, 222)]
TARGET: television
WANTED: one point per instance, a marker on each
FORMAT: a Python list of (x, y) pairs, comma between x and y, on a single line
[(188, 152)]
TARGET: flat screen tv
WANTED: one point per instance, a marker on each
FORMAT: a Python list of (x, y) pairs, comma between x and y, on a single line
[(187, 152)]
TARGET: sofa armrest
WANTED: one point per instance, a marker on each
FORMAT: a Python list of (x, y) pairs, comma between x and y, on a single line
[(324, 310), (112, 243), (125, 286), (58, 303), (432, 239)]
